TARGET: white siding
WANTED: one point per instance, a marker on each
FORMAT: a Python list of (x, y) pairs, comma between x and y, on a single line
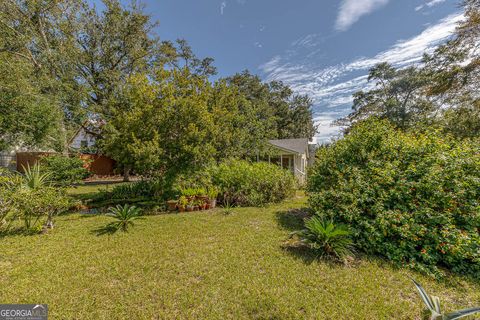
[(82, 137)]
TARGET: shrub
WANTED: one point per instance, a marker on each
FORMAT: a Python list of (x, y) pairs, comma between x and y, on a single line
[(38, 207), (243, 183), (64, 170), (326, 238), (411, 198), (139, 189), (9, 185), (30, 200)]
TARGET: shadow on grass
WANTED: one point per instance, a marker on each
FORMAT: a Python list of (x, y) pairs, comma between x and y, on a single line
[(20, 232), (105, 230), (292, 220)]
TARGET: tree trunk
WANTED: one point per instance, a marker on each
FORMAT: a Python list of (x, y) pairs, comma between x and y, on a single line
[(126, 174)]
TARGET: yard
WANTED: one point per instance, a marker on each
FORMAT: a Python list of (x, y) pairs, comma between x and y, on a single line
[(206, 265)]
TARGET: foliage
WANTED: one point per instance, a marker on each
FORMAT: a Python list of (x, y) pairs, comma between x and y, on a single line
[(243, 183), (454, 66), (176, 122), (326, 238), (34, 178), (138, 189), (38, 207), (28, 118), (227, 208), (64, 170), (433, 305), (79, 57), (125, 217), (30, 201), (412, 198), (9, 184), (282, 113), (166, 128), (398, 96), (441, 92)]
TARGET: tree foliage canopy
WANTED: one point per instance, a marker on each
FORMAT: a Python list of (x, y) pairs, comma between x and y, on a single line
[(442, 91)]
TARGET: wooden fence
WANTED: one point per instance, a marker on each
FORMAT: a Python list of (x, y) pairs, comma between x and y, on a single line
[(97, 164)]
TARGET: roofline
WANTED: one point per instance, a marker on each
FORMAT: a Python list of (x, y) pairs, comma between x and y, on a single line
[(286, 149)]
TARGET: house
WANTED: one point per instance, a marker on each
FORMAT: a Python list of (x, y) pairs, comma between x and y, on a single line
[(82, 140), (293, 154)]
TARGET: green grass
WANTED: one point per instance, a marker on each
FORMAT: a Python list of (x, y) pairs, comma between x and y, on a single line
[(205, 265)]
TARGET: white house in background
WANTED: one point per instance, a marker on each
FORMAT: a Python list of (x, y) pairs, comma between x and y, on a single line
[(293, 154), (82, 139)]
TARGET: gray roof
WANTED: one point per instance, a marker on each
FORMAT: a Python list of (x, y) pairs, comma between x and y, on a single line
[(293, 145)]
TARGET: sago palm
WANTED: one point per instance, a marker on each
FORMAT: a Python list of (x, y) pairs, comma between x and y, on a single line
[(124, 216), (326, 238)]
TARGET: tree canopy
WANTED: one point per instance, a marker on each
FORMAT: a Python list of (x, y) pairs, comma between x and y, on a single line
[(442, 91), (64, 62)]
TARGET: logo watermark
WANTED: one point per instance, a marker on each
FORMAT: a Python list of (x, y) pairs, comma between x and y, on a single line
[(23, 312)]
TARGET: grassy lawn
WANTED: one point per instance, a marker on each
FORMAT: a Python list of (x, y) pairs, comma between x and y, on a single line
[(205, 265)]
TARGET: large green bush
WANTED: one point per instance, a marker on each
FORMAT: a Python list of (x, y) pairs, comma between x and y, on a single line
[(252, 184), (414, 199), (64, 170), (238, 182)]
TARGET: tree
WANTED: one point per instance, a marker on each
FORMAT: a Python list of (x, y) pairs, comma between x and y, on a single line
[(28, 118), (179, 55), (32, 56), (398, 96), (111, 45), (454, 69), (239, 132), (80, 55), (443, 91), (285, 114), (165, 127)]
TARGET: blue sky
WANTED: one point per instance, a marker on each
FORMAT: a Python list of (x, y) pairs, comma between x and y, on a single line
[(323, 48)]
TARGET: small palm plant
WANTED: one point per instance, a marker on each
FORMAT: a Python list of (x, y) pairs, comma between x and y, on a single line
[(124, 216), (227, 208), (34, 178), (326, 238), (433, 305)]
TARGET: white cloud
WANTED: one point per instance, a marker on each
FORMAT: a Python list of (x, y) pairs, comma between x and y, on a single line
[(351, 11), (429, 4), (223, 5), (331, 87)]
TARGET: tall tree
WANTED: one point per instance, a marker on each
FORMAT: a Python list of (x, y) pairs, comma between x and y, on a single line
[(33, 37), (81, 55), (454, 69), (285, 114), (398, 96), (164, 127), (111, 45), (443, 91)]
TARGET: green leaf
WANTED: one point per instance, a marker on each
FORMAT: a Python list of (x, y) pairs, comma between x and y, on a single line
[(461, 313), (425, 297)]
